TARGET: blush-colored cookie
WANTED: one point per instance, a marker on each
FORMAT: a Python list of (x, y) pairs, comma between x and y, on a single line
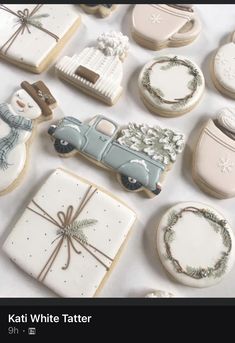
[(70, 235), (195, 244), (171, 85), (214, 156), (140, 155), (98, 70), (19, 118), (33, 35), (158, 26), (223, 68), (101, 10)]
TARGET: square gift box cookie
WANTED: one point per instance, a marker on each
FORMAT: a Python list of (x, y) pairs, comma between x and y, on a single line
[(32, 35), (70, 234)]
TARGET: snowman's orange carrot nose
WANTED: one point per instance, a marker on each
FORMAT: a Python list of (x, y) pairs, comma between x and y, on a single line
[(20, 103)]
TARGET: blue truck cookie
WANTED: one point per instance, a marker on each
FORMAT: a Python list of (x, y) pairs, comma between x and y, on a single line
[(139, 154)]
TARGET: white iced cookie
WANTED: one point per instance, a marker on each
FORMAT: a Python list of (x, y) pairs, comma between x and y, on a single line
[(70, 235), (171, 85), (195, 244), (159, 294), (28, 106), (98, 71), (223, 69), (33, 35), (213, 166), (101, 10), (156, 26)]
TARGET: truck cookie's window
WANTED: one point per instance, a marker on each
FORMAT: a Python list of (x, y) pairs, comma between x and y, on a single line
[(106, 127)]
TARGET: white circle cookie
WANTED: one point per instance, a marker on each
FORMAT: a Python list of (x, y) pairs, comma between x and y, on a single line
[(195, 244), (223, 73), (171, 85)]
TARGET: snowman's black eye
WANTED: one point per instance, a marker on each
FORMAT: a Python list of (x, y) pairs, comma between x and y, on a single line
[(18, 95), (30, 106)]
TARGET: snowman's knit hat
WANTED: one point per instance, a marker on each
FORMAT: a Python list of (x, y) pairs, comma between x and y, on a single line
[(41, 95)]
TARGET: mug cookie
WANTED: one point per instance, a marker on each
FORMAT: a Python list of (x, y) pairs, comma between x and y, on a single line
[(70, 235), (159, 26), (223, 69), (30, 105), (98, 70), (102, 10), (140, 155), (214, 156), (33, 35), (195, 244), (171, 85)]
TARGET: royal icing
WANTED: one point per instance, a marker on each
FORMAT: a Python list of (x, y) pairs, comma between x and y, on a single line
[(195, 244), (160, 25), (102, 10), (104, 60), (139, 153), (159, 294), (171, 84), (214, 156), (224, 67), (17, 121), (69, 235), (30, 32)]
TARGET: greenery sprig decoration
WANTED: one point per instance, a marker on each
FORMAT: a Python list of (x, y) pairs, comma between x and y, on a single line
[(219, 225), (172, 62)]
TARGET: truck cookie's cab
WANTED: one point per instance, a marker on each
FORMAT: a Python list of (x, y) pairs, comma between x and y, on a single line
[(98, 140)]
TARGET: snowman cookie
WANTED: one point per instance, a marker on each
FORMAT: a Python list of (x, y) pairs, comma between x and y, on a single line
[(102, 10), (98, 70), (223, 68), (158, 26), (28, 106), (214, 156), (171, 85), (195, 244)]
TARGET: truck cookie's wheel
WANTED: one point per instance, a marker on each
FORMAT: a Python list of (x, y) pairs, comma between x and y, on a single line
[(129, 183), (157, 190), (63, 147)]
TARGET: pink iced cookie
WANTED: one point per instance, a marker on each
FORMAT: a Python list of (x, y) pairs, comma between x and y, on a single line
[(158, 26)]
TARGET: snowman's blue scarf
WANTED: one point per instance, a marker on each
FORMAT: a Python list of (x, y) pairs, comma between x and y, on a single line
[(16, 123)]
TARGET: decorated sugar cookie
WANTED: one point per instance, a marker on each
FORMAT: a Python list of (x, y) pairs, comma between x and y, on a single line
[(171, 85), (29, 105), (159, 294), (102, 10), (195, 244), (214, 156), (139, 154), (159, 26), (70, 235), (98, 70), (33, 35), (223, 68)]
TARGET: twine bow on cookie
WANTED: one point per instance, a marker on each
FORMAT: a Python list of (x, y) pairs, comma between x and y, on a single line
[(71, 230), (25, 19)]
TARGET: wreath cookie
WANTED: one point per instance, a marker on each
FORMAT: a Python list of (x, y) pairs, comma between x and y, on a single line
[(195, 244), (171, 85)]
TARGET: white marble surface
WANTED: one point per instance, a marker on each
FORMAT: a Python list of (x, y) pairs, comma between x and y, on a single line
[(139, 270)]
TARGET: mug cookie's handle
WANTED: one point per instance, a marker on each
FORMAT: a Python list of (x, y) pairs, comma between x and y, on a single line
[(232, 39), (188, 34)]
